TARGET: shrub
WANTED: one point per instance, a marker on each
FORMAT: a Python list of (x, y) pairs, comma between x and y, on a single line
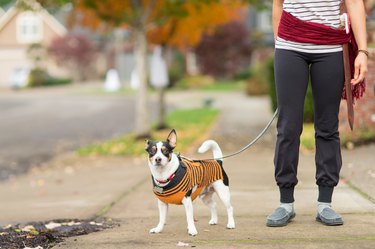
[(74, 52), (271, 82), (226, 52), (244, 75), (197, 81), (308, 115), (39, 77), (257, 84), (177, 68)]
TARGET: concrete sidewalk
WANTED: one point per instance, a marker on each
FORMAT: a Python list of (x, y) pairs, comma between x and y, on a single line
[(72, 187)]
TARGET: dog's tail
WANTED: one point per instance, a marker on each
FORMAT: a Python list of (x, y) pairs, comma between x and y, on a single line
[(211, 144)]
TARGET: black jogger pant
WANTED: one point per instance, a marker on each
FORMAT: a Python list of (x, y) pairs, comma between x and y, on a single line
[(292, 71)]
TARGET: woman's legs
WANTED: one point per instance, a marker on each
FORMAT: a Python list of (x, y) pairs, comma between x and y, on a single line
[(292, 71), (291, 77), (327, 79)]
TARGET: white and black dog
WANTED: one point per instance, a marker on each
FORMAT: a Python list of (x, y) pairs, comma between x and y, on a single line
[(177, 180)]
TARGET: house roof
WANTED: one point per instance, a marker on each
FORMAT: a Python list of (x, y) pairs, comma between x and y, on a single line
[(52, 22)]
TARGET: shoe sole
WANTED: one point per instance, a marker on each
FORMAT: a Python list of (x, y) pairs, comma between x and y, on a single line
[(336, 223), (282, 224)]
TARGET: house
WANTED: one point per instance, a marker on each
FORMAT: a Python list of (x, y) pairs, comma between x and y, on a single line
[(20, 28), (260, 25)]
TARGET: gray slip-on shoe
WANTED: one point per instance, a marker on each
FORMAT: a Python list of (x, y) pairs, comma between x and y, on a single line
[(279, 217), (329, 217)]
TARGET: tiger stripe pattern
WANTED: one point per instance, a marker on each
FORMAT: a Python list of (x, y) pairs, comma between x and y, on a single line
[(198, 174)]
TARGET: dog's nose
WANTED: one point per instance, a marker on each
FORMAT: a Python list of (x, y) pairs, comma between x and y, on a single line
[(158, 160)]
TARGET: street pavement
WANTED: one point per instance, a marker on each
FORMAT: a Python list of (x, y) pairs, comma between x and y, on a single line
[(121, 188), (38, 124)]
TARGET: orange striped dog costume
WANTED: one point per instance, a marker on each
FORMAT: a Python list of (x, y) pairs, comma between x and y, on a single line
[(190, 179), (178, 180)]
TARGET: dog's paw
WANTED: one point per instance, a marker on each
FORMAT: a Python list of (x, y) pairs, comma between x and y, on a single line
[(192, 231), (231, 225), (156, 230), (213, 222)]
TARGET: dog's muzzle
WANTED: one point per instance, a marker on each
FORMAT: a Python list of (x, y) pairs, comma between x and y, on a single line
[(158, 161)]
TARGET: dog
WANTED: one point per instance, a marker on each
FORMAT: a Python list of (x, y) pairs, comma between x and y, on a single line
[(178, 180)]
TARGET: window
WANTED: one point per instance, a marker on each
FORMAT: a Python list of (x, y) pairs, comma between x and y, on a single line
[(29, 28)]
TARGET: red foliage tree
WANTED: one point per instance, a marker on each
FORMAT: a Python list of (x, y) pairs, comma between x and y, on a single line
[(74, 52), (226, 52)]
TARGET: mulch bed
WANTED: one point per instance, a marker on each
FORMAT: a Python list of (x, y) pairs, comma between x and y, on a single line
[(43, 235)]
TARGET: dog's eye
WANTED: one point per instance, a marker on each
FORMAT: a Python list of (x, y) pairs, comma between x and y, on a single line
[(165, 151), (152, 151)]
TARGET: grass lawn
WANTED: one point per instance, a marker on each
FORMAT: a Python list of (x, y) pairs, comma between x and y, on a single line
[(308, 137), (225, 86), (190, 124), (355, 138)]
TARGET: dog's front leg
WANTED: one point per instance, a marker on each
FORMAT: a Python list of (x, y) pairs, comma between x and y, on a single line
[(188, 204), (163, 210)]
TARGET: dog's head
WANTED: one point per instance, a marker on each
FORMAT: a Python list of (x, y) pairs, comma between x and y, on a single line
[(160, 153)]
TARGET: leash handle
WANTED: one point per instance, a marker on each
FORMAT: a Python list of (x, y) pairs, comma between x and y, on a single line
[(249, 144)]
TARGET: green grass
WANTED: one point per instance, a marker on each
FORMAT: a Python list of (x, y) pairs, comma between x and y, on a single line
[(308, 136), (207, 83), (99, 90), (357, 137), (225, 86), (190, 124)]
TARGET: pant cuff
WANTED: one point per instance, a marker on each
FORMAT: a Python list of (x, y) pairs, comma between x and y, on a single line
[(287, 195), (325, 194)]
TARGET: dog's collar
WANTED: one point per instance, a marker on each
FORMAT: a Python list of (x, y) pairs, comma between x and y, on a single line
[(166, 181)]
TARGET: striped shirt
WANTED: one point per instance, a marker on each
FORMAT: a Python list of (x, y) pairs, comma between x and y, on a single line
[(190, 179), (326, 12)]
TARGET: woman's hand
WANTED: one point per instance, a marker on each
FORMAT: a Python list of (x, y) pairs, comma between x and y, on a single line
[(360, 68)]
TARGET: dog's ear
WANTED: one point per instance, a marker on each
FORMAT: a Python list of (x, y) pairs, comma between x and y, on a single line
[(172, 138), (147, 144)]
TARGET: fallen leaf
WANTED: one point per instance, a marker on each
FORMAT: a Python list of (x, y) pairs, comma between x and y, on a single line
[(182, 244), (372, 174), (52, 225), (72, 223), (7, 226), (28, 228), (34, 232), (96, 224), (40, 182), (69, 170)]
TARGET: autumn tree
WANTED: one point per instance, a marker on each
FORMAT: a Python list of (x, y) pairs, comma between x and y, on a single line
[(179, 22), (167, 22), (185, 31)]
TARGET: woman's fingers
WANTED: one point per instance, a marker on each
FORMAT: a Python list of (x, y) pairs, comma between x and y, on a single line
[(360, 69)]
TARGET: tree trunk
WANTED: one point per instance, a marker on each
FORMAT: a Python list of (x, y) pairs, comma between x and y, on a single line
[(142, 122), (161, 109)]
